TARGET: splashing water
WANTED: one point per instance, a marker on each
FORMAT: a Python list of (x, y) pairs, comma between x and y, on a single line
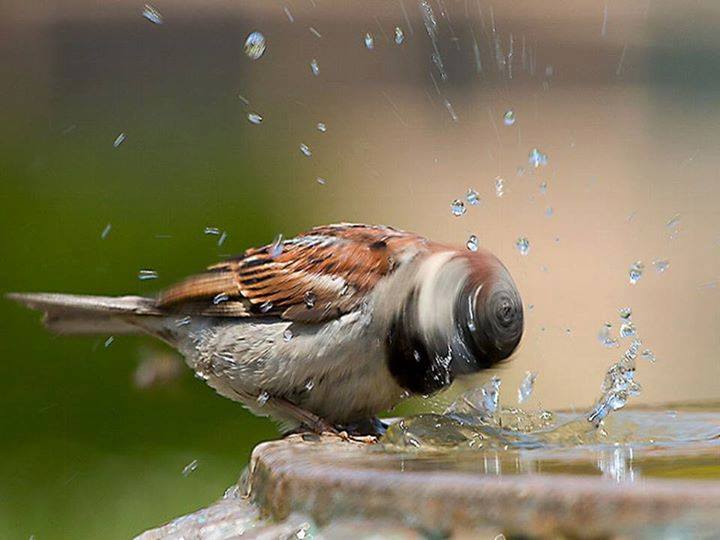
[(254, 118), (310, 299), (523, 245), (369, 41), (119, 140), (255, 45), (472, 197), (152, 14), (526, 386), (509, 117), (314, 67), (605, 338), (305, 150), (147, 274), (276, 248), (499, 187), (431, 27), (457, 208), (190, 468), (661, 265), (537, 159), (636, 271), (321, 127), (472, 243), (399, 36)]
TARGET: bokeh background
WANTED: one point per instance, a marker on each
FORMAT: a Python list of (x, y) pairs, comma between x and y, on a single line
[(621, 96)]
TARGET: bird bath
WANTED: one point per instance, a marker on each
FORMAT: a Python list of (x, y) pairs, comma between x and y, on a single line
[(651, 473)]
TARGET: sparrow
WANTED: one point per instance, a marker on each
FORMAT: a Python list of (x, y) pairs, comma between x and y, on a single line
[(325, 330)]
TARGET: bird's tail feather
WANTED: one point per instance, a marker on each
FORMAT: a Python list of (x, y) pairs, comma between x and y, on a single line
[(87, 314)]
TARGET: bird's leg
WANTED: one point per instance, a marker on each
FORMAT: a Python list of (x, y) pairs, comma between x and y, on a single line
[(307, 419)]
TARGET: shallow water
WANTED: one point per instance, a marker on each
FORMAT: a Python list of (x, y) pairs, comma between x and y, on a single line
[(678, 442)]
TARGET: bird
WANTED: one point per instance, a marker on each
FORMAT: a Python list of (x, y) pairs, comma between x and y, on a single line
[(322, 331)]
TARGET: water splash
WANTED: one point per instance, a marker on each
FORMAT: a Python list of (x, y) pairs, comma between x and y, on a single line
[(509, 117), (369, 41), (254, 118), (430, 22), (255, 45), (457, 208), (472, 243), (526, 386), (152, 14), (636, 271), (473, 197), (523, 245)]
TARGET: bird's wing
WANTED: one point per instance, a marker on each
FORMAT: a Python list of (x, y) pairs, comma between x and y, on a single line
[(313, 277)]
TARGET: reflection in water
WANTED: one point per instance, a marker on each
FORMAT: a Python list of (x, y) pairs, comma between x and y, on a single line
[(629, 445)]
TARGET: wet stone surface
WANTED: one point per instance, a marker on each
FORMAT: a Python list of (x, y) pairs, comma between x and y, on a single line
[(648, 473)]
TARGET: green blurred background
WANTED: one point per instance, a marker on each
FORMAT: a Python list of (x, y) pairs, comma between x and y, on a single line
[(622, 97)]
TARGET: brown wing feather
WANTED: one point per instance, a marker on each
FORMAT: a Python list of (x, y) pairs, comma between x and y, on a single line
[(316, 276)]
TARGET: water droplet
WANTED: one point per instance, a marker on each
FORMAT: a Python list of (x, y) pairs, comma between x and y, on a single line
[(119, 140), (265, 307), (287, 335), (315, 33), (309, 385), (369, 41), (321, 127), (263, 398), (106, 231), (509, 117), (472, 197), (184, 321), (661, 265), (648, 355), (314, 67), (254, 118), (212, 230), (146, 274), (305, 150), (472, 243), (605, 338), (310, 299), (109, 341), (625, 312), (627, 329), (523, 245), (399, 35), (526, 386), (152, 14), (543, 187), (451, 110), (636, 271), (499, 186), (289, 15), (491, 395), (255, 45), (549, 211), (457, 207), (537, 159), (321, 181), (222, 238), (190, 468), (673, 222), (276, 248), (220, 298)]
